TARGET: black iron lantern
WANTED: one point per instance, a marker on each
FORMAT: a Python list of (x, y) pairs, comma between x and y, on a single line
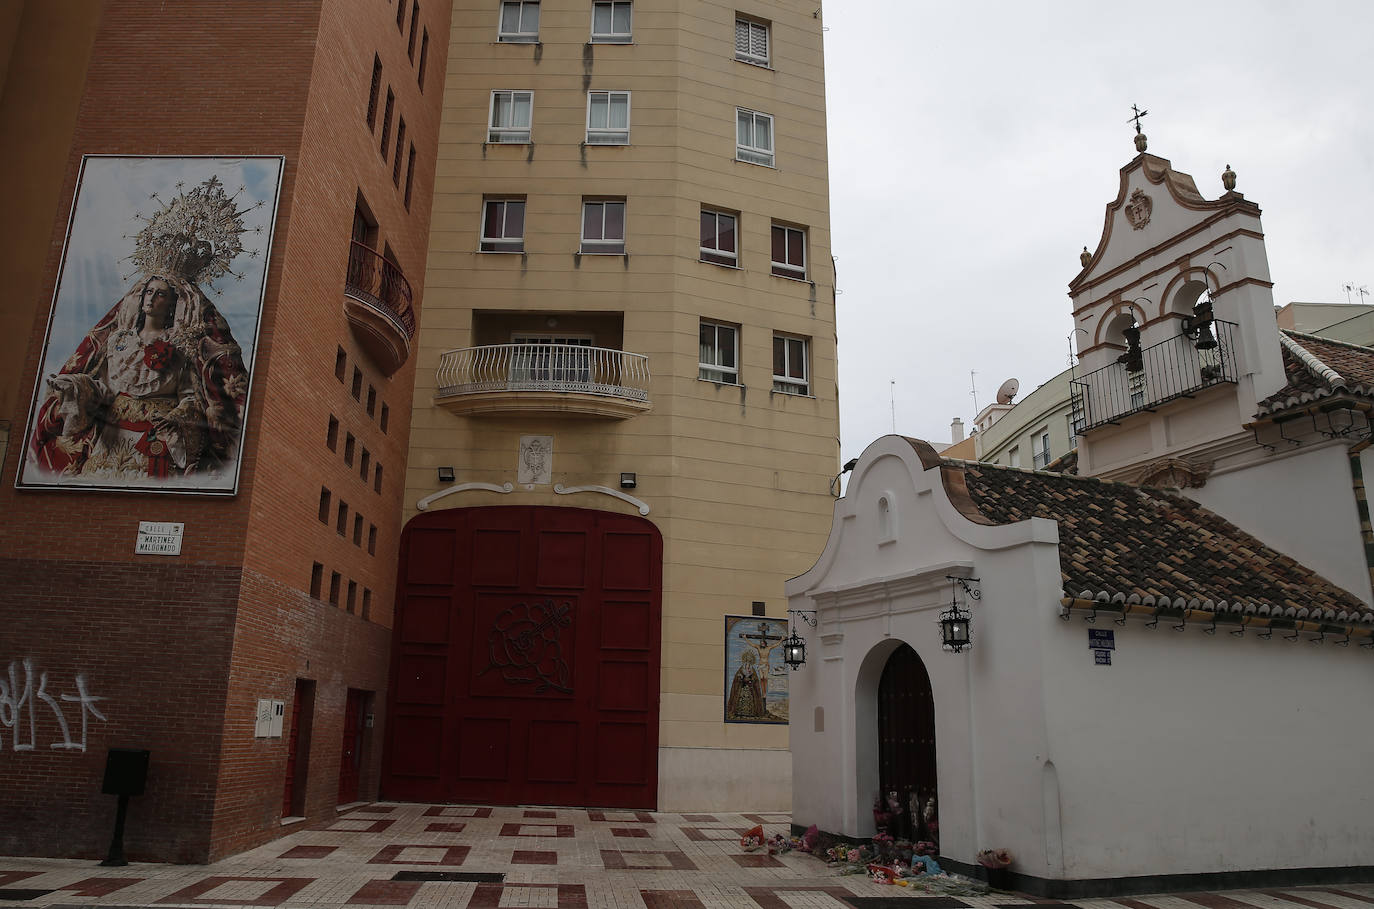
[(955, 621), (1134, 358), (1199, 326), (794, 646)]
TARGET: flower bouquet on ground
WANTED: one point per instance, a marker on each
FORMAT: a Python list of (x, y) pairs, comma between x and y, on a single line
[(753, 839), (996, 862)]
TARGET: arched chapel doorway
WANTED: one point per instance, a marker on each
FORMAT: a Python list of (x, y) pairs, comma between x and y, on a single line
[(906, 746), (525, 659)]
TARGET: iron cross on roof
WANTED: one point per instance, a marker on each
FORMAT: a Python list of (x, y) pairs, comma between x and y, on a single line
[(1138, 114)]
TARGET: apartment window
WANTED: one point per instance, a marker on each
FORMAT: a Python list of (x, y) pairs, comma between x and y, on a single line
[(357, 384), (340, 364), (753, 137), (341, 525), (357, 529), (372, 539), (334, 580), (365, 466), (371, 400), (1040, 449), (350, 444), (384, 419), (386, 120), (414, 23), (519, 22), (1014, 457), (400, 15), (503, 225), (603, 227), (608, 118), (352, 594), (510, 117), (367, 603), (718, 238), (410, 176), (611, 23), (377, 478), (1075, 420), (374, 92), (789, 252), (332, 436), (324, 505), (551, 358), (751, 41), (400, 147), (316, 580), (790, 374), (719, 357), (424, 58)]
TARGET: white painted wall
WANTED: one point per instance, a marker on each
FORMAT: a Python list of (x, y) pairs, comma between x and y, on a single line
[(1190, 753), (1302, 504)]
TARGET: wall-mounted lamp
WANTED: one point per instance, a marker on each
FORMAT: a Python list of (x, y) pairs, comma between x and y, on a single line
[(445, 474), (794, 647), (955, 621), (627, 481)]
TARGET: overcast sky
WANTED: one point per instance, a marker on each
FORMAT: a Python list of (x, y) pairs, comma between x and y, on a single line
[(974, 147)]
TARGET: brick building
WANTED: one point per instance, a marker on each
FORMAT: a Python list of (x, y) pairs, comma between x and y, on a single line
[(277, 595)]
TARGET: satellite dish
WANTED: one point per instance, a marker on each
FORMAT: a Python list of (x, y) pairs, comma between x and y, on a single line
[(1008, 391)]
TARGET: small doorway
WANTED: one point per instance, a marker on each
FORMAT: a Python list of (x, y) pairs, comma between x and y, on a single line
[(906, 747), (298, 750), (351, 752)]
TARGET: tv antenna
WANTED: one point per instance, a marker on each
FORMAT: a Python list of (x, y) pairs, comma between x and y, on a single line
[(973, 383), (1360, 289), (892, 402)]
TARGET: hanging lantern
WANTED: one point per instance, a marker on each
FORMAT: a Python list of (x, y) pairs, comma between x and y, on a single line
[(955, 621), (793, 650)]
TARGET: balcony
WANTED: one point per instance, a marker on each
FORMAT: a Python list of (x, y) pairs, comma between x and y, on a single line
[(543, 378), (377, 302), (1174, 368)]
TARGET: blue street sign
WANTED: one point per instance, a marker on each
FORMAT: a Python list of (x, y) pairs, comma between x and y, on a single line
[(1101, 639), (1102, 657)]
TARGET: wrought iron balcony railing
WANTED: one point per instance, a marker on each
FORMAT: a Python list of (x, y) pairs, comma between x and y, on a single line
[(544, 367), (377, 281), (1174, 368)]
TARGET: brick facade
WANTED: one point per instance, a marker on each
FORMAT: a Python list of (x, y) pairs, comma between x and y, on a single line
[(181, 649)]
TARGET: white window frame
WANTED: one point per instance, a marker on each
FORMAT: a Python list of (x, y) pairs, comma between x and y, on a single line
[(752, 28), (1040, 448), (749, 153), (1014, 456), (505, 243), (608, 135), (715, 255), (785, 382), (509, 134), (717, 371), (613, 36), (787, 268), (603, 245), (521, 35)]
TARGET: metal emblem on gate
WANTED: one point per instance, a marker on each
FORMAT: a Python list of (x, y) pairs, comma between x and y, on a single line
[(524, 645)]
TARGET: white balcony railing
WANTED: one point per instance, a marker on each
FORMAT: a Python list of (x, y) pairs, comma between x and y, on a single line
[(568, 368)]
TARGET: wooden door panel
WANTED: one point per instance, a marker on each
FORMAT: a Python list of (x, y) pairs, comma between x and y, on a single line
[(549, 689)]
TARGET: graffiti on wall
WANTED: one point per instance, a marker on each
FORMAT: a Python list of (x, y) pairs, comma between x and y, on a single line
[(24, 723)]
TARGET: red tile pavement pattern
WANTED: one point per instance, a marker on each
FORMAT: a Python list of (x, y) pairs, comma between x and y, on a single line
[(99, 886), (440, 827), (758, 860), (489, 896), (456, 811), (533, 857), (274, 896), (395, 855), (385, 893), (10, 877), (641, 817), (620, 860), (630, 832), (670, 899), (767, 897), (555, 830), (307, 852)]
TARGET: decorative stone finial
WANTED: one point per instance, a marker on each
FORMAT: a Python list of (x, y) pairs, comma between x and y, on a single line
[(1139, 136), (1085, 257), (1228, 179), (1140, 142)]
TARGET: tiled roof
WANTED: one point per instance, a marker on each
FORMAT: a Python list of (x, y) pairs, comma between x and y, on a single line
[(1130, 544), (1320, 368)]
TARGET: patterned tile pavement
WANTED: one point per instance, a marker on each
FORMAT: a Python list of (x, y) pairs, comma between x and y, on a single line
[(454, 857)]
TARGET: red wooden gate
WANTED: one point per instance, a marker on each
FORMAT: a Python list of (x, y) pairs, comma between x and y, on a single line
[(906, 740), (525, 659), (351, 752)]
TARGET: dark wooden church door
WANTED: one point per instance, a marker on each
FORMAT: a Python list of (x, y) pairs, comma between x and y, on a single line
[(525, 659), (906, 742)]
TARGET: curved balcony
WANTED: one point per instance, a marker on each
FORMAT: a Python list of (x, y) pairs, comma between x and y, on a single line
[(377, 302), (543, 378)]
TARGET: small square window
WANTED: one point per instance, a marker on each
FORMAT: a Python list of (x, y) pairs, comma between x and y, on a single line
[(790, 373), (511, 115), (503, 225), (751, 41), (719, 352), (753, 137), (718, 237), (611, 22), (603, 227), (519, 22), (608, 118), (332, 436), (789, 252)]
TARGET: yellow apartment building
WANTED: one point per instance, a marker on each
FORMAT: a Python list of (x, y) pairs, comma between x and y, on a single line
[(625, 421)]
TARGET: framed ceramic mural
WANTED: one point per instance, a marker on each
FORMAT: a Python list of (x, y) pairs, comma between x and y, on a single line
[(755, 675), (148, 359)]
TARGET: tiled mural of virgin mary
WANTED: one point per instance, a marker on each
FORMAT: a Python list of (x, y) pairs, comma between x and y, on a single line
[(152, 394)]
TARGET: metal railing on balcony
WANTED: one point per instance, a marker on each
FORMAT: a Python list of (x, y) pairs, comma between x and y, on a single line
[(544, 367), (1174, 368), (378, 281)]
